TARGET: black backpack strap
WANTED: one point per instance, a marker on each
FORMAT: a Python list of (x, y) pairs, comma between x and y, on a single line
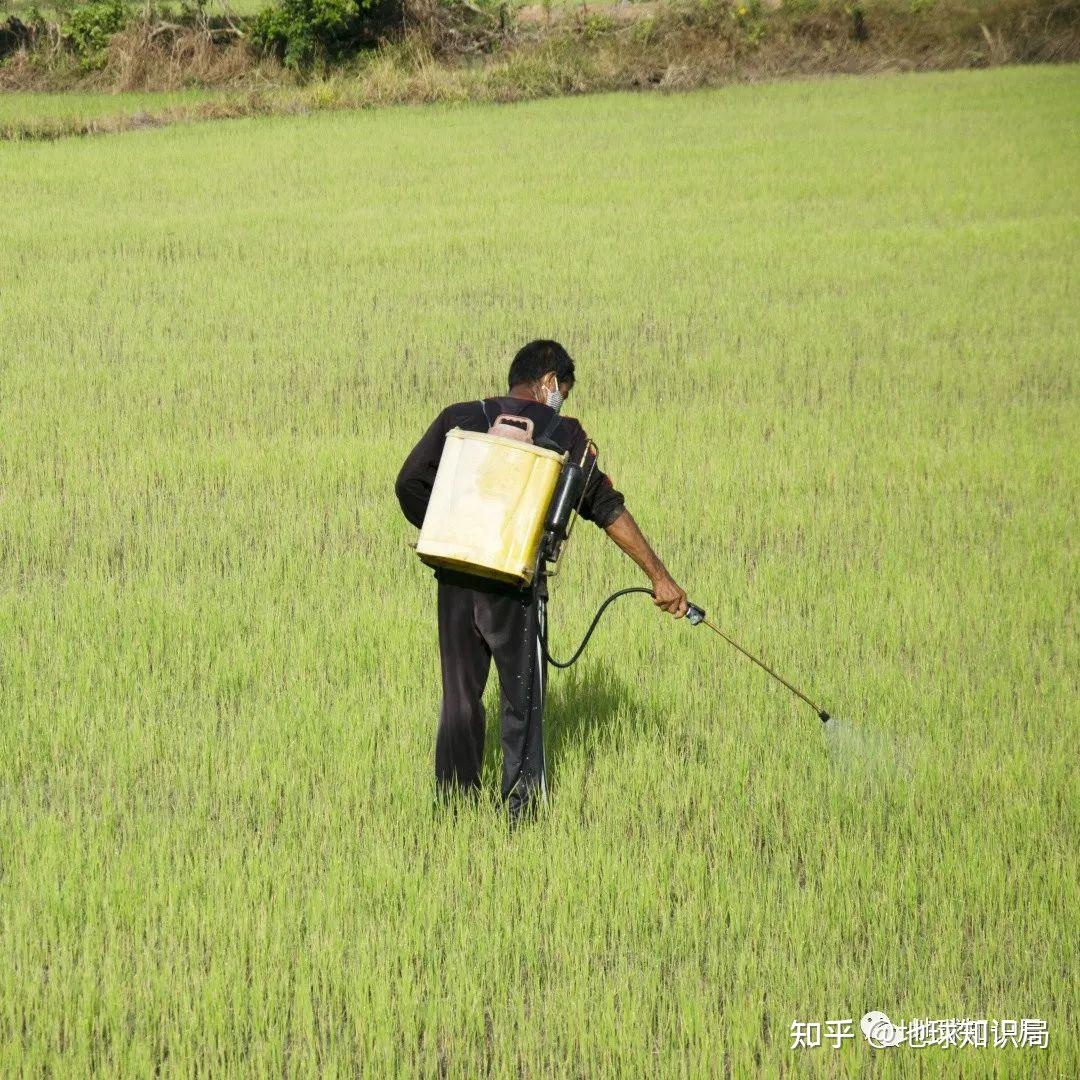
[(544, 438)]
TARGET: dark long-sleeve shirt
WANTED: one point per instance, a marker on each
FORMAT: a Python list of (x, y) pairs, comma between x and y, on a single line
[(601, 503)]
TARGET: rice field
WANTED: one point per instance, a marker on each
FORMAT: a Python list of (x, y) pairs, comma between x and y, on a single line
[(826, 336)]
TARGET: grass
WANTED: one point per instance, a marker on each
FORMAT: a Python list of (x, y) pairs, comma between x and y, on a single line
[(826, 341), (22, 108)]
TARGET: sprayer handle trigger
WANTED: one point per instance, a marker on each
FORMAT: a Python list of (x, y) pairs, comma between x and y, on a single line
[(695, 614)]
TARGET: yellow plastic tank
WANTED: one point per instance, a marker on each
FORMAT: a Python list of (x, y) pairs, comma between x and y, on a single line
[(487, 507)]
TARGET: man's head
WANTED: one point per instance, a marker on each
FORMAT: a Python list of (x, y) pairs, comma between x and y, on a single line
[(540, 369)]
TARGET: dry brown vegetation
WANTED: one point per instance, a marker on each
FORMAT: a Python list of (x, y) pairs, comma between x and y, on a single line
[(462, 54), (147, 55)]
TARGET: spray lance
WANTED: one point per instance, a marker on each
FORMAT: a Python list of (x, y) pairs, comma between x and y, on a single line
[(565, 503)]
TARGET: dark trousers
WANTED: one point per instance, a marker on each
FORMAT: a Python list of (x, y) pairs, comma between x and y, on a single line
[(478, 621)]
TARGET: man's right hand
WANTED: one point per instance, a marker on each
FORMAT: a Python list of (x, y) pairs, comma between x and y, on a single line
[(669, 596)]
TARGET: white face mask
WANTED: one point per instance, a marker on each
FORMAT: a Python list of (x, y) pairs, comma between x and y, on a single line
[(554, 398)]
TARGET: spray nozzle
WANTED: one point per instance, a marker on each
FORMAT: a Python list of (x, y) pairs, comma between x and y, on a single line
[(694, 614)]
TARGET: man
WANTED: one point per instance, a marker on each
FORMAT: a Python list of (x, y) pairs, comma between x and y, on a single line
[(480, 619)]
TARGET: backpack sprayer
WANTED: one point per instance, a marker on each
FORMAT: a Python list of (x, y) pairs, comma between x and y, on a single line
[(503, 506)]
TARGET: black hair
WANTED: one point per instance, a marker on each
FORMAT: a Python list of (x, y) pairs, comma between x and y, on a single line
[(535, 360)]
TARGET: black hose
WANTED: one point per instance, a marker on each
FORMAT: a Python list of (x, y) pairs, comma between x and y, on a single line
[(696, 615), (592, 626)]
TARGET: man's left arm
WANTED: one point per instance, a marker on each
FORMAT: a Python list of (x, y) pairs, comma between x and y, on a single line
[(601, 503), (605, 506)]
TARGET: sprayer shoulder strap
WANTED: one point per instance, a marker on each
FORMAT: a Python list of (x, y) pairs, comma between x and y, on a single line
[(487, 419), (545, 435)]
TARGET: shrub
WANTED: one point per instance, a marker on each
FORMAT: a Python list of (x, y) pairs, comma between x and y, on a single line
[(595, 25), (89, 27), (300, 32)]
